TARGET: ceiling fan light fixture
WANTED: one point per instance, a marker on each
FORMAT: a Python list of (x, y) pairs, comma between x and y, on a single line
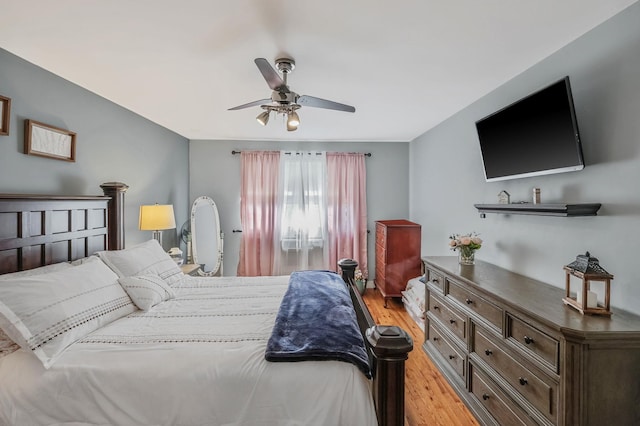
[(263, 118), (293, 120)]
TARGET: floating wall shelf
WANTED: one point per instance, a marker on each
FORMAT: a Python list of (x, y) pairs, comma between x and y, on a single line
[(541, 209)]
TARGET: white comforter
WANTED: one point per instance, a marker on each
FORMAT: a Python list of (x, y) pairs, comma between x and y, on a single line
[(197, 359)]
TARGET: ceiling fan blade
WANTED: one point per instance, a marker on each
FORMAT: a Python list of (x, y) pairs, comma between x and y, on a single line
[(311, 101), (250, 104), (274, 80)]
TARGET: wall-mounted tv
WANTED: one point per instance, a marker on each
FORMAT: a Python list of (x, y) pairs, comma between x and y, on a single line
[(536, 135)]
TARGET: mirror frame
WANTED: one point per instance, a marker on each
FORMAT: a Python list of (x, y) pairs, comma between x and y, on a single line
[(217, 270)]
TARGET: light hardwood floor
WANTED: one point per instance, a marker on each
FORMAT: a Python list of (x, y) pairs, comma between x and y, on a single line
[(429, 400)]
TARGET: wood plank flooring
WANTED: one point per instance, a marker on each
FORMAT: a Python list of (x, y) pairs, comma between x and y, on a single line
[(429, 399)]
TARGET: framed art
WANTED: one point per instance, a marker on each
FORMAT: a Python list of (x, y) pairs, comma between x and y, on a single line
[(48, 141), (5, 115)]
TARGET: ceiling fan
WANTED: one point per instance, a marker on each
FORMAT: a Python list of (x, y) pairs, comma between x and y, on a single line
[(283, 100)]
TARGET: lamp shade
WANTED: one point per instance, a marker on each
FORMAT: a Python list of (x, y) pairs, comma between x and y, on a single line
[(157, 217), (263, 118), (293, 120)]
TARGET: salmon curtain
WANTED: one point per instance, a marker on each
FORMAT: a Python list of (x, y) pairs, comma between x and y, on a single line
[(347, 208), (258, 197)]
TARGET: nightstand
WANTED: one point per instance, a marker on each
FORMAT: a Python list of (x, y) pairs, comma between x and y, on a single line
[(190, 269)]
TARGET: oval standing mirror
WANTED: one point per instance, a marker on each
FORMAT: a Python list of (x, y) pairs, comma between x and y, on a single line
[(206, 236)]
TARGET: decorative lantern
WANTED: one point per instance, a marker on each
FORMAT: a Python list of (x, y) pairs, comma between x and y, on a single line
[(587, 269)]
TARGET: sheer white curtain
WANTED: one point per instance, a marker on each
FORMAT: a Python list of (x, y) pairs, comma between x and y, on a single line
[(300, 241)]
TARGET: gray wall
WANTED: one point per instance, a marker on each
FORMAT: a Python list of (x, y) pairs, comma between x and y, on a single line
[(113, 144), (447, 177), (215, 172)]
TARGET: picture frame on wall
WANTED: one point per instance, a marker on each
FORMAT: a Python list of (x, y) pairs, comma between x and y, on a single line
[(48, 141), (5, 115)]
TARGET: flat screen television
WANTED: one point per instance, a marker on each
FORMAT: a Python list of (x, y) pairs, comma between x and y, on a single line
[(536, 135)]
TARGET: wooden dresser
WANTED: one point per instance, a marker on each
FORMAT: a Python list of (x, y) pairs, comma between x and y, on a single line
[(397, 255), (516, 354)]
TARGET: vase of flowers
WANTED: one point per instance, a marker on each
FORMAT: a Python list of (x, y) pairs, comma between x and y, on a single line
[(361, 283), (466, 246)]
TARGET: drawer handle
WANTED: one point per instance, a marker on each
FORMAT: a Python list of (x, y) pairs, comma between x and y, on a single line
[(487, 352), (528, 340), (522, 381), (452, 321), (452, 356), (485, 396), (435, 281), (469, 301), (435, 339), (436, 307)]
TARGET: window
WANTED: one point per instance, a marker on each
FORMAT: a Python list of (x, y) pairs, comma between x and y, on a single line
[(301, 211), (303, 206)]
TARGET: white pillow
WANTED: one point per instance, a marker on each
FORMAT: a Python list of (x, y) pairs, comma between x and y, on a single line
[(8, 346), (37, 271), (147, 258), (47, 313), (147, 290), (83, 260)]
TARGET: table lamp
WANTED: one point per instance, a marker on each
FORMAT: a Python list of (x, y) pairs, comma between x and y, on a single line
[(157, 218)]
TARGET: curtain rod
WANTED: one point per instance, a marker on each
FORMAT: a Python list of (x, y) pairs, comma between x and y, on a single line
[(366, 154)]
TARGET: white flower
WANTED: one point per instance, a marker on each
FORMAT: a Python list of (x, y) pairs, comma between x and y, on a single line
[(469, 241), (358, 275)]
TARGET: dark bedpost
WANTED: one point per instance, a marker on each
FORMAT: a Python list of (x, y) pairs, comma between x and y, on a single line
[(391, 346), (116, 191), (348, 267)]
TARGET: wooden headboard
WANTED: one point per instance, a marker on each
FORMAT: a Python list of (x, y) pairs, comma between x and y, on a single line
[(38, 230)]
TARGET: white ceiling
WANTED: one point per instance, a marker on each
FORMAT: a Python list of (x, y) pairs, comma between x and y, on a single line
[(404, 65)]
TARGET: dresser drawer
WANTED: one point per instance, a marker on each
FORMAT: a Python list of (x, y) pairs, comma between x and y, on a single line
[(499, 404), (534, 343), (541, 393), (435, 279), (450, 317), (478, 304), (454, 356)]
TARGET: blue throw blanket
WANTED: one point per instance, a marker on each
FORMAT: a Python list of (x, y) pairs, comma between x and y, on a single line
[(316, 321)]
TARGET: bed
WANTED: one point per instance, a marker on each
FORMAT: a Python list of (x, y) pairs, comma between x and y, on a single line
[(195, 357)]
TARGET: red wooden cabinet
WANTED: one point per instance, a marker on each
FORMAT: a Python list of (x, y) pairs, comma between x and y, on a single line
[(397, 255)]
